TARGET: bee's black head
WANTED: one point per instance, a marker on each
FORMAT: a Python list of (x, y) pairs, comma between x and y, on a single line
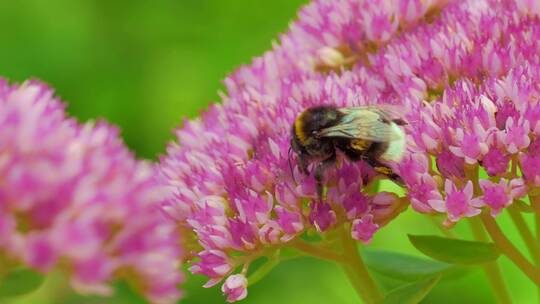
[(309, 123), (305, 141), (317, 118)]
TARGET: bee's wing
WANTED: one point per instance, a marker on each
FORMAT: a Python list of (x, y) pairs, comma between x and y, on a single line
[(363, 123), (387, 111)]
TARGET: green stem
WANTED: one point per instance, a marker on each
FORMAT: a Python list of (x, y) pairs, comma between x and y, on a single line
[(318, 252), (357, 272), (535, 204), (509, 250), (273, 260), (492, 270), (361, 290), (263, 270), (526, 234), (537, 224), (6, 265)]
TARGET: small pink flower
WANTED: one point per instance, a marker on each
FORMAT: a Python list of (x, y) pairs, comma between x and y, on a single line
[(529, 6), (496, 196), (322, 216), (235, 287), (270, 233), (534, 148), (429, 137), (290, 222), (472, 145), (450, 165), (214, 264), (385, 206), (413, 166), (517, 135), (496, 162), (506, 111), (531, 168), (457, 203), (422, 192), (243, 234), (364, 228), (357, 204)]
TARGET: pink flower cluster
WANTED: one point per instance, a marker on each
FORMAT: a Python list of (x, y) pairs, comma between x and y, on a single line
[(232, 186), (228, 173), (72, 196), (329, 35), (492, 126)]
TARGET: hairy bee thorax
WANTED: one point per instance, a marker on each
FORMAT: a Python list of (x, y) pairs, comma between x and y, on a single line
[(312, 120)]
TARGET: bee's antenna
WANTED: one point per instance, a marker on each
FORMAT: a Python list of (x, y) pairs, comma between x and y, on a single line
[(290, 165)]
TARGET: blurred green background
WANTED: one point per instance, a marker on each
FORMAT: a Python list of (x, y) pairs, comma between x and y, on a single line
[(144, 65)]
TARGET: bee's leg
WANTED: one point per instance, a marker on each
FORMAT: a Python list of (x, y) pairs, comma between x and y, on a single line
[(384, 170), (399, 122), (319, 174), (372, 156), (303, 164)]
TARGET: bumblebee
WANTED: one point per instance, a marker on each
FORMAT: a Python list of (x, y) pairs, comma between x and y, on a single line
[(369, 133)]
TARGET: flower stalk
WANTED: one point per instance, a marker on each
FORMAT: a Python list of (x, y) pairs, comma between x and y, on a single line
[(526, 233), (260, 273), (535, 204), (318, 252), (351, 262), (509, 250), (492, 270), (357, 272)]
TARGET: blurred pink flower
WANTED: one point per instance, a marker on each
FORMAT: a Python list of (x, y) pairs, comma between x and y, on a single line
[(72, 196)]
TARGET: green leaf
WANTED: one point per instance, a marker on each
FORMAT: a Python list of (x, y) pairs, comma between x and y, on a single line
[(403, 267), (19, 282), (411, 293), (455, 251)]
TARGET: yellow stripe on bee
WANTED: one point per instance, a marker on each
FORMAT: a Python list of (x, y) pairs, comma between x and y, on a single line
[(383, 170), (298, 128), (360, 144)]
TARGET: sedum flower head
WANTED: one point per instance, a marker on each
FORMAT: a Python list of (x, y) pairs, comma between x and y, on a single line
[(72, 196), (482, 121), (486, 135), (231, 183), (228, 172)]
